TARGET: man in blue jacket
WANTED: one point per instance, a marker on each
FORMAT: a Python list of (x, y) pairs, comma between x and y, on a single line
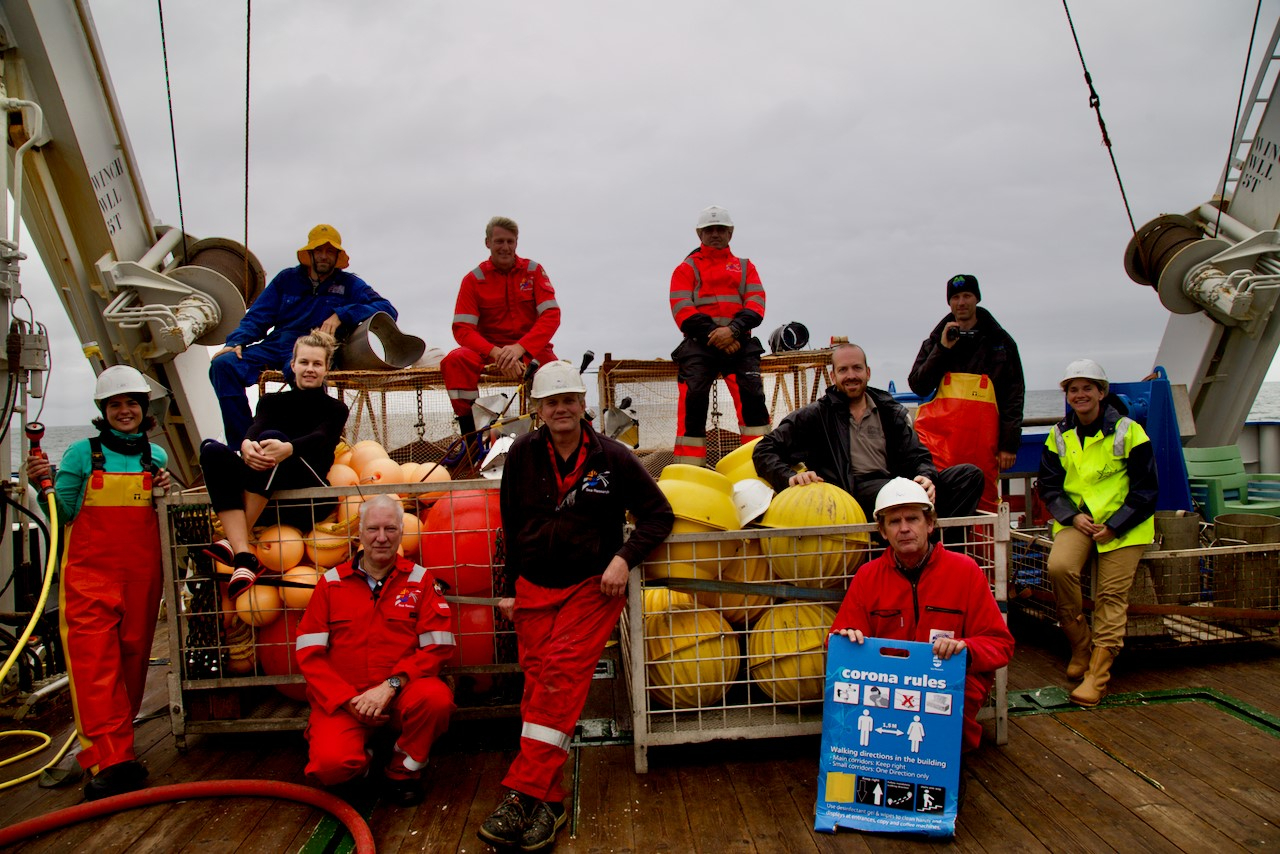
[(316, 294)]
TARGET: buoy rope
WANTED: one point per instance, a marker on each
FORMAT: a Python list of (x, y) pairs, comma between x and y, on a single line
[(1235, 125), (1095, 104), (173, 132)]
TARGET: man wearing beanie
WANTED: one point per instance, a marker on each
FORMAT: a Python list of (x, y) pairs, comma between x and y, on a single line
[(319, 293), (971, 367)]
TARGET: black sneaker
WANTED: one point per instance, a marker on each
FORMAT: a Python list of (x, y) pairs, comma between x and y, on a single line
[(541, 830), (247, 571), (115, 780), (505, 825), (405, 793)]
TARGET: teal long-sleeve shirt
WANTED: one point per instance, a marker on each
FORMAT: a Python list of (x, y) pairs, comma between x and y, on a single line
[(77, 465)]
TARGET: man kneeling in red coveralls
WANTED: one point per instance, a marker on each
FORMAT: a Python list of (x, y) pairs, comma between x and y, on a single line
[(566, 491), (921, 592), (371, 646)]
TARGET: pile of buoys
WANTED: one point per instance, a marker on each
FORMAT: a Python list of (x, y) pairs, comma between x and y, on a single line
[(702, 501)]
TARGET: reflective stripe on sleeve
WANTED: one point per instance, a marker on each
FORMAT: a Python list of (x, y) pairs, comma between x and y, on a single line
[(543, 306), (436, 638), (419, 572), (473, 319), (320, 639)]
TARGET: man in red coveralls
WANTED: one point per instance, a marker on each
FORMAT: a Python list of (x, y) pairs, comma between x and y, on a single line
[(916, 591), (371, 645), (505, 316), (716, 300)]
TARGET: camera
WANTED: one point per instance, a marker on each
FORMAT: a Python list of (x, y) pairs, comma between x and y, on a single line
[(955, 333)]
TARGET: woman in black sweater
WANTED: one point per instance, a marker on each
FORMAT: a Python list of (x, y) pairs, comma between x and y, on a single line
[(289, 445)]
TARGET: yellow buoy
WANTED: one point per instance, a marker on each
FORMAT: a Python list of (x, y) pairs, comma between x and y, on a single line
[(786, 651), (747, 564), (693, 657), (659, 599), (816, 560)]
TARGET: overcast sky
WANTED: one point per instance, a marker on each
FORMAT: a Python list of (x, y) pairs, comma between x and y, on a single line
[(867, 152)]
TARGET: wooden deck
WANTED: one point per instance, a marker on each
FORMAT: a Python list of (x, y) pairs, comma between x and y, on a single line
[(1178, 770)]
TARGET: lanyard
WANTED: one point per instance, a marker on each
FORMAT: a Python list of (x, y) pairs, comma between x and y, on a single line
[(567, 482)]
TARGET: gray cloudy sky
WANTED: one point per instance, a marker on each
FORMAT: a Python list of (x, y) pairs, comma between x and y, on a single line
[(867, 152)]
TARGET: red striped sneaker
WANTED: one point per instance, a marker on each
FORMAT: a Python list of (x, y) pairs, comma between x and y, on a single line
[(247, 571)]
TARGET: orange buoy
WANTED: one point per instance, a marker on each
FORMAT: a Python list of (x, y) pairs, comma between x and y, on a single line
[(280, 547), (298, 597)]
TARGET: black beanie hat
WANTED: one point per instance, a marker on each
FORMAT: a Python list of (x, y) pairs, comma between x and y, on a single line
[(961, 283)]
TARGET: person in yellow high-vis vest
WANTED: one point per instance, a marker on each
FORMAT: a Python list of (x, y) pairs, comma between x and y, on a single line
[(1098, 479)]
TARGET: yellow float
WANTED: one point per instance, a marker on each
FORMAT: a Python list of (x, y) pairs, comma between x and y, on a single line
[(786, 651), (693, 657), (814, 560)]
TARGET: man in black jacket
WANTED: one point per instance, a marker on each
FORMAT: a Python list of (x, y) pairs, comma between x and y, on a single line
[(981, 427), (859, 438), (565, 494)]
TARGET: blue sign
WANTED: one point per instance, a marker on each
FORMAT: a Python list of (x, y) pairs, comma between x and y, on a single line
[(891, 728)]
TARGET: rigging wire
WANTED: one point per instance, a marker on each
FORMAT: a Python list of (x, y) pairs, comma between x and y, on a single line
[(1235, 125), (248, 29), (1095, 103), (173, 133)]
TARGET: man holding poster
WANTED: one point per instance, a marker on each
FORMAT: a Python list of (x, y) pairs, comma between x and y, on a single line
[(918, 591)]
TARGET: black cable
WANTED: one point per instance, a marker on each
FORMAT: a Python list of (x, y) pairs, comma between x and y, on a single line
[(1231, 152), (1095, 103), (173, 132)]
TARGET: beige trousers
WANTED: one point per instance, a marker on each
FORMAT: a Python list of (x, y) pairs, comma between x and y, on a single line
[(1068, 558)]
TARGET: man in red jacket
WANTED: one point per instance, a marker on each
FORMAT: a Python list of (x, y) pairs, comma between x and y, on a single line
[(371, 645), (716, 300), (916, 591), (505, 315)]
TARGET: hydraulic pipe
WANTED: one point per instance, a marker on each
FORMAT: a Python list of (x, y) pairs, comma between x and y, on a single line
[(58, 819)]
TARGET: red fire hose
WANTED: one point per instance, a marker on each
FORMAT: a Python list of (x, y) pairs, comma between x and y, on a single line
[(202, 789)]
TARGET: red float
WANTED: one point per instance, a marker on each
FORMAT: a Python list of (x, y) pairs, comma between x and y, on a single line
[(473, 632), (275, 649), (459, 536)]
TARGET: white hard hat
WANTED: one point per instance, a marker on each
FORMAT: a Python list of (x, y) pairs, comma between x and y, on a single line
[(120, 379), (558, 377), (751, 497), (1084, 369), (714, 215), (898, 492)]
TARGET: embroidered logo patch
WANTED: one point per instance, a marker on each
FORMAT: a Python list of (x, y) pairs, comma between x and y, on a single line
[(408, 598), (596, 483), (526, 285)]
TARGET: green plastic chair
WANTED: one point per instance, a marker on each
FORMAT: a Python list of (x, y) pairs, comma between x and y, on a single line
[(1219, 484)]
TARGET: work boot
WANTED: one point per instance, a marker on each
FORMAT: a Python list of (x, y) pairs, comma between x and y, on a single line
[(116, 780), (1081, 640), (405, 792), (547, 818), (1094, 687), (505, 825)]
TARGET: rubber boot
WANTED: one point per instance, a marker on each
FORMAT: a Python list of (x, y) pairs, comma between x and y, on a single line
[(1081, 640), (1094, 687)]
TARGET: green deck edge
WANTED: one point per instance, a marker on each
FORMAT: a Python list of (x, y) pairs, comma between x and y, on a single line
[(1054, 700)]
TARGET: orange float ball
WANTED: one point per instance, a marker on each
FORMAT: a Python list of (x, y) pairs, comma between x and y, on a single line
[(340, 475), (412, 532), (298, 597), (431, 473), (349, 508), (343, 458), (409, 472), (327, 547), (259, 605), (380, 470), (362, 453), (280, 547)]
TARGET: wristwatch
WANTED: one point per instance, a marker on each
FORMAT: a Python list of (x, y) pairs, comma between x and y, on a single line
[(396, 683)]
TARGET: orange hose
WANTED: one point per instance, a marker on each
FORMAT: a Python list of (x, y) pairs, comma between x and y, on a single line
[(58, 819)]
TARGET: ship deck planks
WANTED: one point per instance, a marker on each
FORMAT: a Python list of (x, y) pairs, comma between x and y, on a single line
[(1160, 776)]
